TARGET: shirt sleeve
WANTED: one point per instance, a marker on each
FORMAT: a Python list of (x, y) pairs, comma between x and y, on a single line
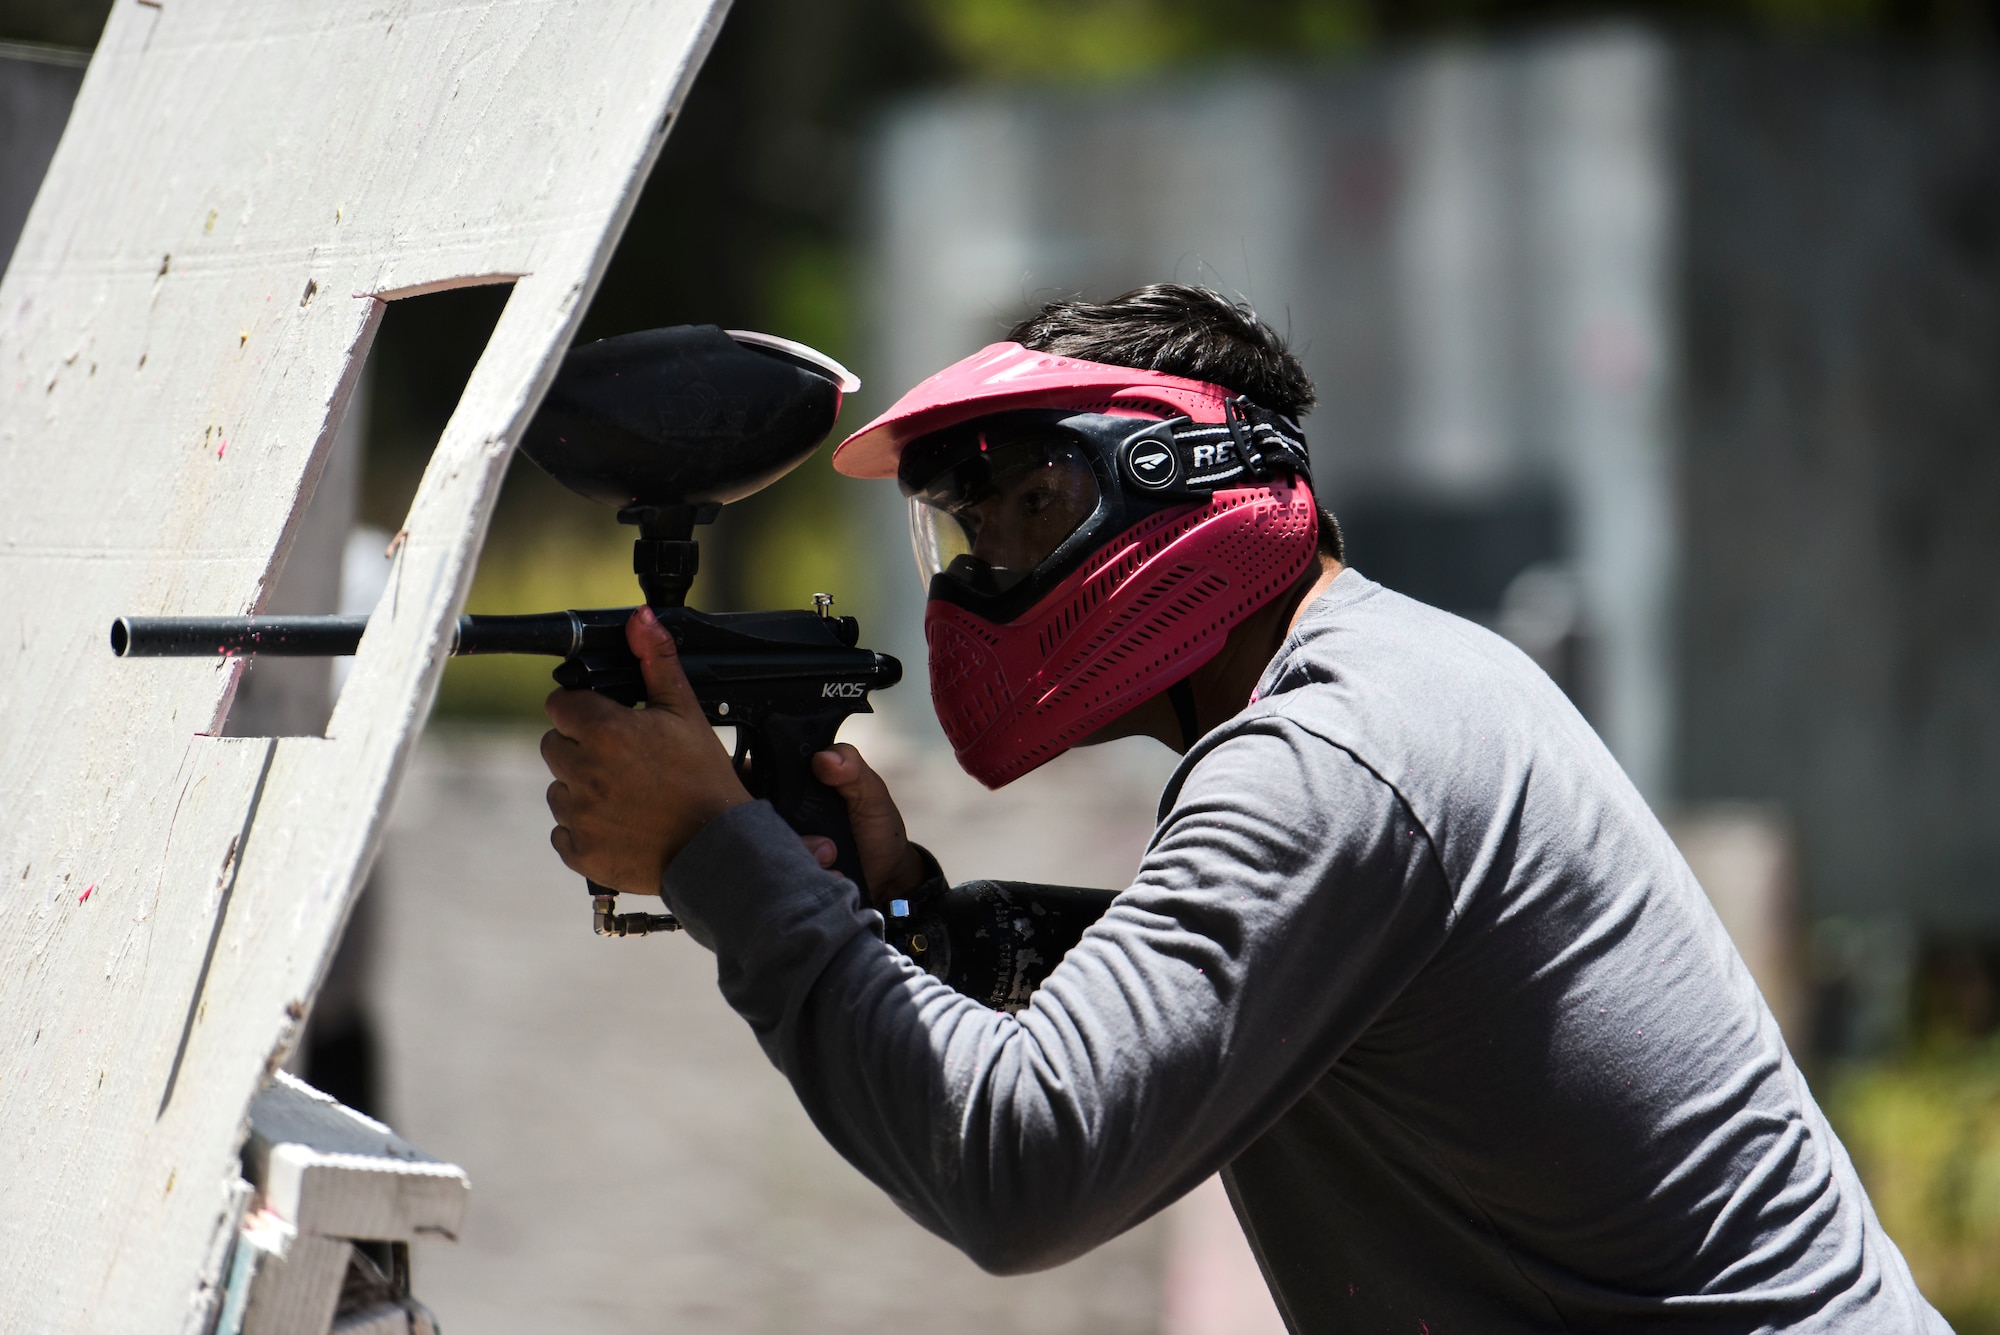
[(1286, 898)]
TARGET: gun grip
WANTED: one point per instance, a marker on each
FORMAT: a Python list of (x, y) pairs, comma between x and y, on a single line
[(783, 766)]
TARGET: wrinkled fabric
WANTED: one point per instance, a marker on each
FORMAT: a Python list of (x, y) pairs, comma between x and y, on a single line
[(1411, 963)]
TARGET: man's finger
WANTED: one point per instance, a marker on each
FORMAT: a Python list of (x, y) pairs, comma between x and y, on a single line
[(823, 849), (891, 863), (843, 770), (565, 845), (573, 711), (835, 768), (560, 753), (660, 664)]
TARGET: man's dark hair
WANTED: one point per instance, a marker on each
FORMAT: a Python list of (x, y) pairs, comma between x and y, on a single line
[(1193, 332), (1176, 329)]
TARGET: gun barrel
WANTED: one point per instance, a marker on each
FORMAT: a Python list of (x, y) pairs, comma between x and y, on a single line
[(551, 634), (227, 637), (592, 643), (555, 634)]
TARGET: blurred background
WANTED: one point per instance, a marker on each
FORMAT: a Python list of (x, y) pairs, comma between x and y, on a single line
[(1659, 337)]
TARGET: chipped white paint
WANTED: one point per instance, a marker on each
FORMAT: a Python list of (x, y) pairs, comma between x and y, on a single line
[(240, 185)]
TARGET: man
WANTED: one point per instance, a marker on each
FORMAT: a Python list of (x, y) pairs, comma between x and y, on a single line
[(1408, 960)]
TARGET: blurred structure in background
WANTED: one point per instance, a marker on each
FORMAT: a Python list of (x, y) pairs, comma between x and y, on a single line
[(1840, 470), (1669, 359), (1470, 251), (37, 85)]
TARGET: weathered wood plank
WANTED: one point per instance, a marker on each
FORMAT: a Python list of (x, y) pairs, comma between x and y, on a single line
[(240, 186), (331, 1176), (298, 1293), (326, 1169)]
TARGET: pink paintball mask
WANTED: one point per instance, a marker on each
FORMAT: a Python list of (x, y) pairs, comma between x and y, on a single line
[(1090, 535)]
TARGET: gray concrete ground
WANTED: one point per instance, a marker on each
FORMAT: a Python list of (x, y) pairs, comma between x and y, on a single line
[(636, 1164)]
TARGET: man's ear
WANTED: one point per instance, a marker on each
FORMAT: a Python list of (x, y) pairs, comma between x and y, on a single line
[(1331, 541)]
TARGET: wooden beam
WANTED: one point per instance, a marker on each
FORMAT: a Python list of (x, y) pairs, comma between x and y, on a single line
[(325, 1168)]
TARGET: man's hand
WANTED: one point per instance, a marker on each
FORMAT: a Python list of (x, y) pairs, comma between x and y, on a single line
[(634, 786), (888, 861)]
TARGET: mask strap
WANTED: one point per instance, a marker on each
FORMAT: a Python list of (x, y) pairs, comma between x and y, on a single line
[(1181, 695)]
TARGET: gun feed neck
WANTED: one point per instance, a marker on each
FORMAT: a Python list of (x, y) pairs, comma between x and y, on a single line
[(665, 555)]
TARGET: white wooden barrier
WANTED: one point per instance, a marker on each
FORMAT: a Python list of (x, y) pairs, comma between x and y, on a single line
[(242, 184)]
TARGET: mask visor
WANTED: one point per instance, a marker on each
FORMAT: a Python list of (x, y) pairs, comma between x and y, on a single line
[(988, 507)]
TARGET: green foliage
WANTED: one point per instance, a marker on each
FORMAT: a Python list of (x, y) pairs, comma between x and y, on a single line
[(1924, 1132), (546, 551), (72, 23), (1840, 16), (806, 297), (797, 538), (1112, 38), (803, 543), (1108, 39)]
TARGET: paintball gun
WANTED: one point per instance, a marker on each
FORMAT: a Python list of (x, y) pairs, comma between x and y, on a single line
[(669, 425)]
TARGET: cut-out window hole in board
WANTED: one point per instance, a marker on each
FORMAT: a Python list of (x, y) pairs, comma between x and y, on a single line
[(417, 366)]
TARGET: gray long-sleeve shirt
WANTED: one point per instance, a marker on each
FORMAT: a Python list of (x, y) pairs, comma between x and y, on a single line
[(1411, 963)]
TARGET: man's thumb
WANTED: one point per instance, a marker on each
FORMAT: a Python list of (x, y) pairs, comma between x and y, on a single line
[(659, 662)]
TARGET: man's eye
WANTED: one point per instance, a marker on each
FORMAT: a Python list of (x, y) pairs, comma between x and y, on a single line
[(1038, 500)]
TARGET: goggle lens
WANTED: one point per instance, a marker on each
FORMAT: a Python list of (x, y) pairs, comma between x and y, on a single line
[(989, 512)]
